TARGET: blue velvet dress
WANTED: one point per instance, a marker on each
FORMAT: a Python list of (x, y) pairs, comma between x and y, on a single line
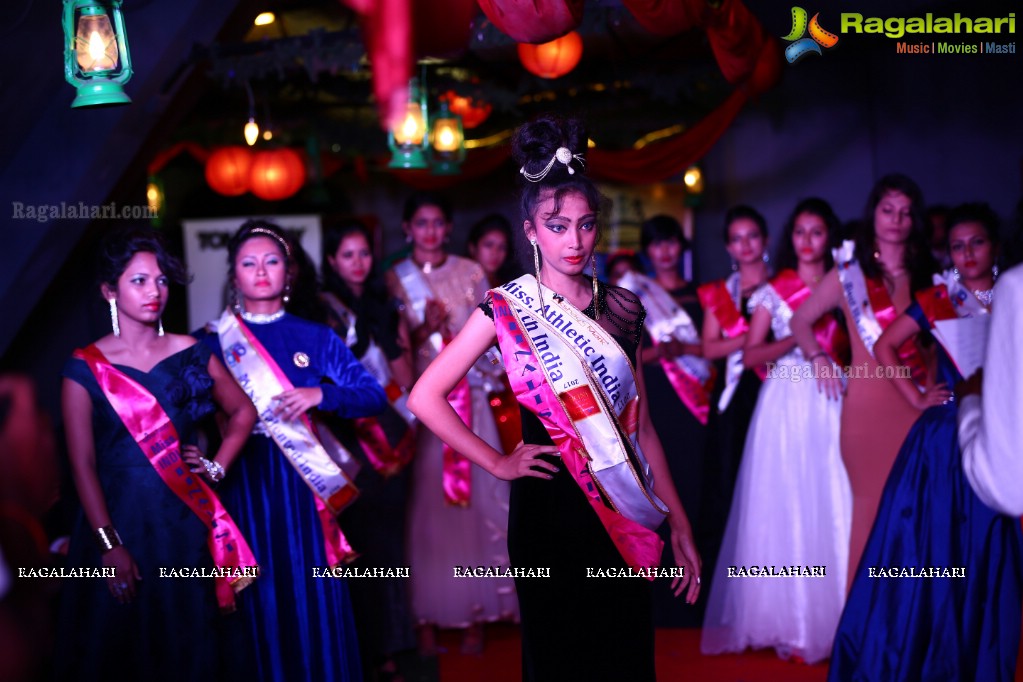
[(939, 628), (168, 631), (289, 624)]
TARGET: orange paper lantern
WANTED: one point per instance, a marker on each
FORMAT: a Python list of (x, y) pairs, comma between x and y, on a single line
[(227, 171), (471, 111), (277, 174), (553, 59)]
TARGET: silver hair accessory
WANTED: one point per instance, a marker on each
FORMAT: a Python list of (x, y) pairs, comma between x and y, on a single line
[(563, 155)]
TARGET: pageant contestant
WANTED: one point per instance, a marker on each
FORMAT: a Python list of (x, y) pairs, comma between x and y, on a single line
[(584, 506), (361, 313), (679, 381), (491, 244), (948, 627), (792, 504), (459, 515), (872, 282), (286, 490), (132, 402), (725, 324)]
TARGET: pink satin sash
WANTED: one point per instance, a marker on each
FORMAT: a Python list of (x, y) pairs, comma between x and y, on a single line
[(639, 546), (153, 430), (717, 301), (831, 336), (885, 312), (457, 468)]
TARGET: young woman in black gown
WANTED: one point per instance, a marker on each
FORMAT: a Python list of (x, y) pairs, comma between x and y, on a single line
[(574, 625)]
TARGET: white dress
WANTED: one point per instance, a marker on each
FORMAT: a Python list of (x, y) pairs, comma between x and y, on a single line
[(791, 514), (443, 537)]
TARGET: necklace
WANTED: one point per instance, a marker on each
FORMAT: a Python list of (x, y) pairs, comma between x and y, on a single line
[(985, 296), (262, 318)]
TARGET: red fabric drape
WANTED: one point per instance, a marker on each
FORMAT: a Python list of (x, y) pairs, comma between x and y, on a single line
[(668, 17), (535, 21)]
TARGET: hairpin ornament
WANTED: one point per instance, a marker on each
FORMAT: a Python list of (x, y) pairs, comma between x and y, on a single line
[(562, 154)]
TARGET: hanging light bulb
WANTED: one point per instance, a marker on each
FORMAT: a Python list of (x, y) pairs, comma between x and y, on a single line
[(265, 19), (251, 131)]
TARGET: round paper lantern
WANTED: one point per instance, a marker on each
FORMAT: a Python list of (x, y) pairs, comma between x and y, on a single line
[(553, 59), (471, 111), (227, 171), (277, 174)]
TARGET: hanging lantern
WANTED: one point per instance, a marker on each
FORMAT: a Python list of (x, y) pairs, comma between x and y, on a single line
[(472, 111), (154, 197), (277, 174), (96, 58), (227, 171), (553, 59), (408, 138), (447, 142)]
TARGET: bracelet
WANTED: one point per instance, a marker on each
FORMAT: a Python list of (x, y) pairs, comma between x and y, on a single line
[(817, 355), (213, 469), (107, 538)]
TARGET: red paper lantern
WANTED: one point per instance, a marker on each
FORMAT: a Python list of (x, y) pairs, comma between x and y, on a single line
[(553, 59), (471, 111), (227, 171), (277, 174)]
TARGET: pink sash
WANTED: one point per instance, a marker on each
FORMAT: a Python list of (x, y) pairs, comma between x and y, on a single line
[(153, 430), (885, 312), (831, 336), (639, 545), (717, 301), (457, 468)]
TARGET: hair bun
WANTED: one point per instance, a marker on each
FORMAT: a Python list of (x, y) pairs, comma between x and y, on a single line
[(539, 148)]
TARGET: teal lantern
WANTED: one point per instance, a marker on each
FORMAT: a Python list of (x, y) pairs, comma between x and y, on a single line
[(447, 140), (409, 137), (96, 58)]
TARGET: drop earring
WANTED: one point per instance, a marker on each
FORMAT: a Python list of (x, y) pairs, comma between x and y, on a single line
[(994, 273), (955, 274), (767, 258), (159, 327), (287, 293), (113, 317), (593, 268), (536, 266), (735, 266)]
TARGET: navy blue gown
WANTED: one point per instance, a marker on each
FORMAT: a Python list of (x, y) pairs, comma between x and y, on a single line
[(168, 631), (289, 624), (933, 628)]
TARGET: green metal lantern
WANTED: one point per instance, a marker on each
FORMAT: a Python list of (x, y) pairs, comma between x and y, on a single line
[(96, 57), (447, 141), (409, 138)]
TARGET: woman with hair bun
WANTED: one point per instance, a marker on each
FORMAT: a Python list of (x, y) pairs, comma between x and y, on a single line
[(590, 484), (132, 404), (292, 480)]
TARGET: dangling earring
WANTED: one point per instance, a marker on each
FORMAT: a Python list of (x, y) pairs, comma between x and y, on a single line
[(287, 293), (159, 327), (593, 266), (113, 317), (735, 266), (994, 273), (767, 258), (233, 299), (955, 274), (536, 265)]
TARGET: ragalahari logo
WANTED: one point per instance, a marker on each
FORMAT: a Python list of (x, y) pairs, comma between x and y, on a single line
[(801, 46)]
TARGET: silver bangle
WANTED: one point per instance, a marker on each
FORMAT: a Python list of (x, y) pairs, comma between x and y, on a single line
[(213, 469), (108, 538)]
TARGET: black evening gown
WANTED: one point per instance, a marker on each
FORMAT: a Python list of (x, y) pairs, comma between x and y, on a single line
[(576, 627), (168, 631), (684, 440)]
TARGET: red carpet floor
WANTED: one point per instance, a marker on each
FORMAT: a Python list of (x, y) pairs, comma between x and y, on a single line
[(678, 658)]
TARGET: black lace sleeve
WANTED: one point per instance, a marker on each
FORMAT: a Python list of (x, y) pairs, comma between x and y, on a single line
[(624, 312), (487, 306)]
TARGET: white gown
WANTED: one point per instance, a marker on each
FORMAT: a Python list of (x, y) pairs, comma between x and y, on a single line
[(792, 507)]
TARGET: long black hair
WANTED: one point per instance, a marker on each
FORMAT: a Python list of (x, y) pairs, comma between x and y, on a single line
[(786, 257), (918, 259), (495, 222), (375, 316)]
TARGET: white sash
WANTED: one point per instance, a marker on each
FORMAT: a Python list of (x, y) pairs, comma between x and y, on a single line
[(963, 300), (854, 287), (733, 363), (576, 354), (666, 320), (296, 439), (419, 291)]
